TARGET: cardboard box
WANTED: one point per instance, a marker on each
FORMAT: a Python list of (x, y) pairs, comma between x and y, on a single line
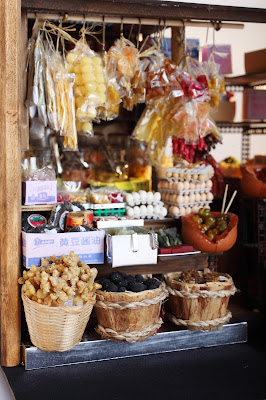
[(255, 61), (225, 112), (120, 222), (39, 192), (89, 246), (254, 104), (136, 249)]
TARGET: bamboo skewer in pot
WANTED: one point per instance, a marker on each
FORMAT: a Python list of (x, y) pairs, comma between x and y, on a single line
[(224, 199), (230, 202)]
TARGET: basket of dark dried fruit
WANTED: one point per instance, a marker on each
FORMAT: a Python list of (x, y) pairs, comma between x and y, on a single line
[(198, 300), (128, 307)]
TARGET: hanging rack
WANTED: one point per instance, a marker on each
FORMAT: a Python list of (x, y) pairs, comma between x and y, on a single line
[(143, 21)]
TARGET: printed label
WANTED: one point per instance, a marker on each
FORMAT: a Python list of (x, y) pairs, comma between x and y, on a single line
[(36, 220), (62, 220)]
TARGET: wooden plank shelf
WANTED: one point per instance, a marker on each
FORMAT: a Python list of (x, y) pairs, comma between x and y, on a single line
[(38, 207), (177, 263)]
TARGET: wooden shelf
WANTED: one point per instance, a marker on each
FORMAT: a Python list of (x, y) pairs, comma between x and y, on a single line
[(38, 207), (178, 263), (246, 80)]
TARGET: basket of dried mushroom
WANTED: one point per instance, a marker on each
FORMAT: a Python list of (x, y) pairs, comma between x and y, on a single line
[(198, 300), (58, 298)]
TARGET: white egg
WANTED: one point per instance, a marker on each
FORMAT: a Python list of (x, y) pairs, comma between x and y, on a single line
[(150, 197), (182, 210), (192, 198), (156, 197), (194, 209), (129, 198), (136, 197), (169, 174), (143, 210), (197, 185), (130, 211), (175, 211), (188, 210), (203, 185), (197, 197), (209, 196), (186, 198), (195, 177), (156, 210), (186, 185), (163, 212), (208, 184), (143, 194), (175, 175), (203, 197), (136, 210), (192, 185), (188, 176), (180, 199), (149, 209)]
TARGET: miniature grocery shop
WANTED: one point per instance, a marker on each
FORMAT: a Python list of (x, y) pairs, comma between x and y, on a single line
[(134, 183)]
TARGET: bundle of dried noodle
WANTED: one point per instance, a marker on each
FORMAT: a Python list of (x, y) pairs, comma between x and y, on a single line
[(66, 278)]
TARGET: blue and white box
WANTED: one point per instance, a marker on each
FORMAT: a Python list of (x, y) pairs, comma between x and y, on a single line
[(89, 246), (39, 192)]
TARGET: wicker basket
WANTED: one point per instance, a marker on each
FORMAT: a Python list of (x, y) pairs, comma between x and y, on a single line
[(198, 306), (56, 328), (129, 316)]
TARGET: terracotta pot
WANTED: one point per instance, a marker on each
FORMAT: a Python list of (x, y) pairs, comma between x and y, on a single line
[(191, 235), (251, 185)]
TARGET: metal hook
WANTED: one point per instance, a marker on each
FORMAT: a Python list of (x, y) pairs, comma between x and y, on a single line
[(65, 18), (121, 28), (103, 34), (139, 33)]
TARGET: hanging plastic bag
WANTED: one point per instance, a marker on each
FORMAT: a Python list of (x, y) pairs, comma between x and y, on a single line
[(63, 85), (90, 86)]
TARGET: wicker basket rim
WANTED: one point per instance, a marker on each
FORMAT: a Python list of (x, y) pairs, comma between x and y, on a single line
[(43, 307), (171, 278), (131, 294)]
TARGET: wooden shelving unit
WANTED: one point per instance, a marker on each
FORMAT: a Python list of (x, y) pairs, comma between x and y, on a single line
[(14, 122)]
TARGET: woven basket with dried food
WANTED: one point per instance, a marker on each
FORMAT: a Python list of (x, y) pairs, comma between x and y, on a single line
[(58, 298)]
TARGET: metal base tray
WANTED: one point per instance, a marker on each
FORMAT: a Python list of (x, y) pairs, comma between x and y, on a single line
[(170, 339)]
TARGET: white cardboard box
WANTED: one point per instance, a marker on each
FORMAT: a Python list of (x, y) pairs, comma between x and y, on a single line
[(89, 246), (135, 249), (39, 192), (122, 222)]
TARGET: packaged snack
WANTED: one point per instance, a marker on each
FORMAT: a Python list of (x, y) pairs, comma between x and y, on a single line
[(90, 86)]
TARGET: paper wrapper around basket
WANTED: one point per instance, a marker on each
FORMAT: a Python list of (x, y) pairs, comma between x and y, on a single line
[(129, 316)]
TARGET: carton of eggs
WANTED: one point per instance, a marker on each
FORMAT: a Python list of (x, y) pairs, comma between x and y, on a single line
[(143, 197)]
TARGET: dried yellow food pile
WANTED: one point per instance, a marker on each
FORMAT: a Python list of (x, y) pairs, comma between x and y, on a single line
[(65, 278)]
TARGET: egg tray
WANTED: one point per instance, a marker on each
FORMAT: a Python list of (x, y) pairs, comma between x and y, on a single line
[(172, 179), (175, 191), (145, 203), (197, 203), (153, 216)]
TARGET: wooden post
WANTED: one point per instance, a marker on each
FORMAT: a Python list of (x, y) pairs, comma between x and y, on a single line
[(10, 178), (176, 44)]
